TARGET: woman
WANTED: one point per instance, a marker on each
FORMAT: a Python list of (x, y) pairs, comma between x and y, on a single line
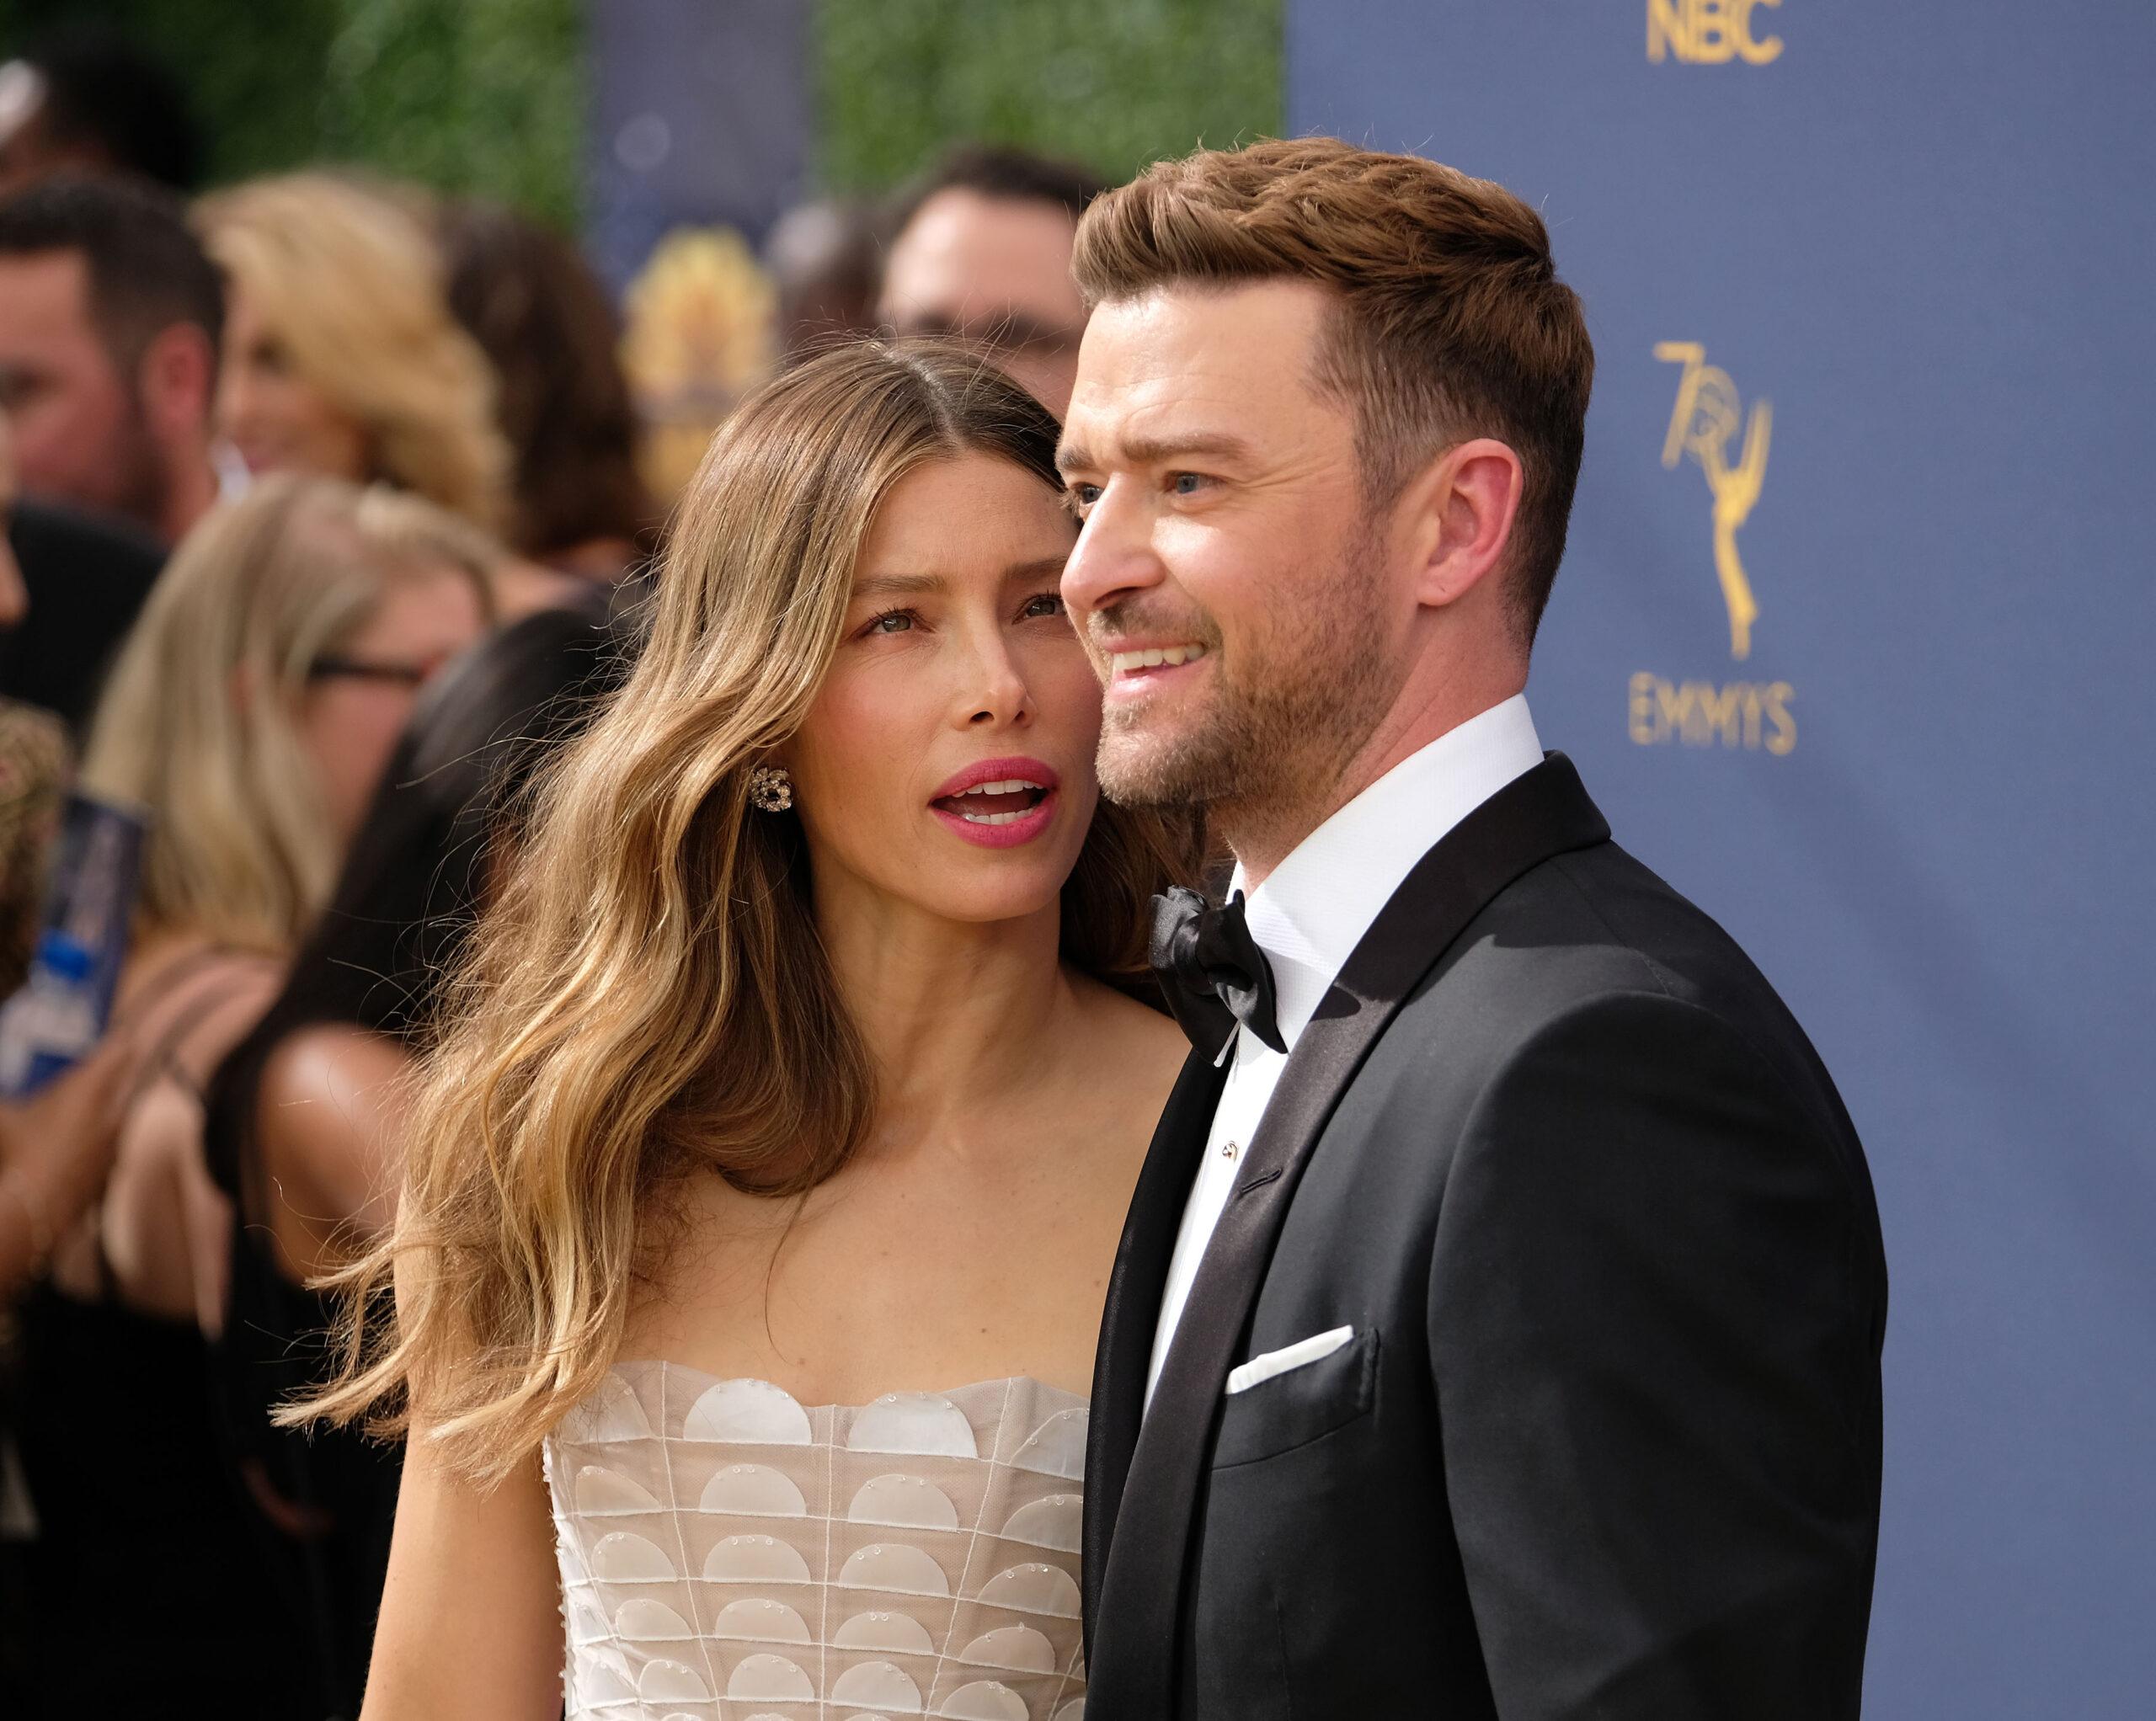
[(577, 501), (771, 1177), (340, 355), (304, 1114), (250, 714)]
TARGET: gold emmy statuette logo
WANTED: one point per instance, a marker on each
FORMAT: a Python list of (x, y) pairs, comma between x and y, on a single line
[(699, 322), (1708, 32), (1705, 423)]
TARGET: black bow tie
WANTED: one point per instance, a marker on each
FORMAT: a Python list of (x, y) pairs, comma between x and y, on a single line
[(1212, 969)]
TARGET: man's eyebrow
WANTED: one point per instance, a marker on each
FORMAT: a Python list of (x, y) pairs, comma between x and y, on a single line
[(1158, 450), (897, 585)]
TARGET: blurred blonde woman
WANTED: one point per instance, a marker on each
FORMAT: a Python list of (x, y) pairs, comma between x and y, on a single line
[(768, 1183), (340, 355), (249, 713)]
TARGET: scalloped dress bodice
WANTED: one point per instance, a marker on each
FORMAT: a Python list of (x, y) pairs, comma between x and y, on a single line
[(728, 1554)]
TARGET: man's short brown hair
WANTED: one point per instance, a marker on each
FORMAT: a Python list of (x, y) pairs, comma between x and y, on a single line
[(1452, 322)]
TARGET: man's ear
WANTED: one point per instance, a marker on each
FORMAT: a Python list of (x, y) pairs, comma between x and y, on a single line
[(1459, 513), (176, 381)]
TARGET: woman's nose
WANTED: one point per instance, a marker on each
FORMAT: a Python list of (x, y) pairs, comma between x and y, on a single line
[(235, 399), (999, 695)]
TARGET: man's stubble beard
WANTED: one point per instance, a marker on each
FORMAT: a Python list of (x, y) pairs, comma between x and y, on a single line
[(136, 475), (1290, 712)]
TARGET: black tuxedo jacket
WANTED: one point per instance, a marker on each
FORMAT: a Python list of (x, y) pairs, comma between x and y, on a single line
[(1605, 1440)]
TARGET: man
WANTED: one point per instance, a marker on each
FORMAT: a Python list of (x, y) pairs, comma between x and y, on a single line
[(1495, 1328), (983, 249), (109, 319), (89, 101)]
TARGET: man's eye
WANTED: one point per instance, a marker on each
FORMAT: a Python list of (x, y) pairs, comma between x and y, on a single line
[(1042, 604), (1081, 497), (1187, 484)]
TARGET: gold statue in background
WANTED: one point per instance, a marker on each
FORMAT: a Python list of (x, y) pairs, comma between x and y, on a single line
[(1705, 423), (700, 333)]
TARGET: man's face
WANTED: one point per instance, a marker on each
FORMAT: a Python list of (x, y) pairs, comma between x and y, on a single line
[(79, 435), (996, 269), (1239, 607)]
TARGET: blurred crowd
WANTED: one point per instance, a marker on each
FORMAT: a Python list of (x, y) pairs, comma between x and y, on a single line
[(325, 519)]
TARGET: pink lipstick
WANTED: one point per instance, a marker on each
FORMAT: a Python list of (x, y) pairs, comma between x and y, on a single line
[(998, 804)]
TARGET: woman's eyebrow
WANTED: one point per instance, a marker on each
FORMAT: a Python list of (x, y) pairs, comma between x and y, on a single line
[(897, 585), (1040, 567)]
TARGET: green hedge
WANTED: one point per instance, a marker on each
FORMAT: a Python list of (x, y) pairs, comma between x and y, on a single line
[(488, 96), (472, 96), (1116, 83)]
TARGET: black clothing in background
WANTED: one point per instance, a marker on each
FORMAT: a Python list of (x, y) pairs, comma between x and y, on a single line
[(86, 577), (145, 1593), (404, 902), (1604, 1442)]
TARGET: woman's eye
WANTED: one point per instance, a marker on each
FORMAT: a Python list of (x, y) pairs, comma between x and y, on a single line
[(1042, 604), (892, 621)]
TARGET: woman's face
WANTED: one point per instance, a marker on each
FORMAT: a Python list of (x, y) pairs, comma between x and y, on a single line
[(948, 761), (361, 694), (278, 421)]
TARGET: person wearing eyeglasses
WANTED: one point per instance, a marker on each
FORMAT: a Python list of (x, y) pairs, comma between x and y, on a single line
[(249, 717)]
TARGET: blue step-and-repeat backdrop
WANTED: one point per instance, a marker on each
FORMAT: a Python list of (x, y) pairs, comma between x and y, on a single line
[(1854, 643)]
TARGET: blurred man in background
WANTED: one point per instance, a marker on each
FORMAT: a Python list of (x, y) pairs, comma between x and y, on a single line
[(983, 249), (109, 319), (89, 101), (826, 259)]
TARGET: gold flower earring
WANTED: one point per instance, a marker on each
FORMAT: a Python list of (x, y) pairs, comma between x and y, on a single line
[(771, 789)]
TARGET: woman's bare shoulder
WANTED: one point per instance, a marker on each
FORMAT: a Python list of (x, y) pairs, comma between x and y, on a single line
[(1143, 1033)]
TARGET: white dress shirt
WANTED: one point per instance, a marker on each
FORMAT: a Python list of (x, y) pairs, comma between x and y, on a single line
[(1308, 917)]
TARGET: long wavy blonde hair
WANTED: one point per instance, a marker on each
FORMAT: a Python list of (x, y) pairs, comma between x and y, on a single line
[(199, 722), (355, 287), (648, 994)]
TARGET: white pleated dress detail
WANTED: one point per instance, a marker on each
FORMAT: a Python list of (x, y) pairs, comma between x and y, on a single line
[(730, 1554)]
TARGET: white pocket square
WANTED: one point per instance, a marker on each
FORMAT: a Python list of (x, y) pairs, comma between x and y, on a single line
[(1245, 1375)]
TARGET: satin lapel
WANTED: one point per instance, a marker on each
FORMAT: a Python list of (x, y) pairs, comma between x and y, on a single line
[(1136, 1591), (1133, 1310)]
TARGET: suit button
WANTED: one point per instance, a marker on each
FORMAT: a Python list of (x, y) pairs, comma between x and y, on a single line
[(1228, 1150)]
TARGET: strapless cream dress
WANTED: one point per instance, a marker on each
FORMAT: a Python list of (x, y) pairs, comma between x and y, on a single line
[(730, 1554)]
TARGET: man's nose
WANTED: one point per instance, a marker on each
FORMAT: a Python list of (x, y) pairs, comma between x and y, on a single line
[(1114, 556)]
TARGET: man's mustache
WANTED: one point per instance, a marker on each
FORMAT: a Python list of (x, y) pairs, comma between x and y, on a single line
[(1110, 630)]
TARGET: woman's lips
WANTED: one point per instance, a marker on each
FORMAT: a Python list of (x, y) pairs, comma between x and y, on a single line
[(998, 821), (998, 804)]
